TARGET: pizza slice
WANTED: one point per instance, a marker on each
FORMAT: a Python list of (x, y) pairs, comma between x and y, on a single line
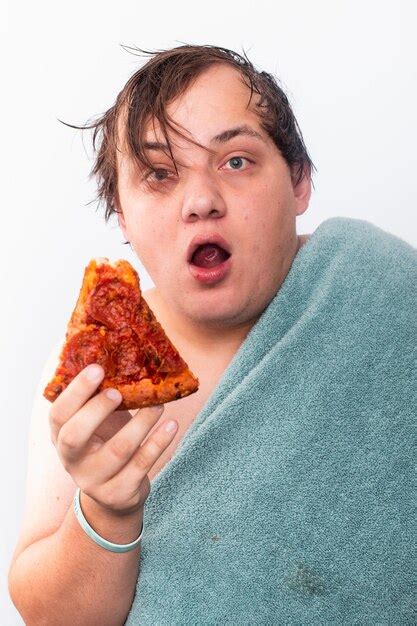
[(113, 325)]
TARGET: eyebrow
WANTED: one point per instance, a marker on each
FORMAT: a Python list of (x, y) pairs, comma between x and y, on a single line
[(221, 138)]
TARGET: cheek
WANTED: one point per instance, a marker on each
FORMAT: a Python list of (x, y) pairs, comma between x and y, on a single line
[(141, 236), (252, 233), (267, 221), (142, 229), (275, 203)]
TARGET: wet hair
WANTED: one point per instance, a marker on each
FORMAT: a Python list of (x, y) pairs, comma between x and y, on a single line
[(165, 76)]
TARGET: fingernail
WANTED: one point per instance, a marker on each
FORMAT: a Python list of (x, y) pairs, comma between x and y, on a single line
[(94, 372), (113, 394), (158, 408), (170, 426)]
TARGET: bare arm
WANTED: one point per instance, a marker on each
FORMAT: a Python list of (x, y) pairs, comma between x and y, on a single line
[(58, 575), (66, 578)]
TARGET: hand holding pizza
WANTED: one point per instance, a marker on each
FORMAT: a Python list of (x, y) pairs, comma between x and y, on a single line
[(113, 472)]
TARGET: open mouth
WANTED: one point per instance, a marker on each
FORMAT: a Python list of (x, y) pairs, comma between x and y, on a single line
[(209, 255)]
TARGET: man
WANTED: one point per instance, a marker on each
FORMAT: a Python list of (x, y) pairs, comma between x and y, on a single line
[(272, 499)]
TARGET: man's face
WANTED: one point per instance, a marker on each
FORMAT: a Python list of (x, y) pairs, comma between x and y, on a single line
[(250, 201)]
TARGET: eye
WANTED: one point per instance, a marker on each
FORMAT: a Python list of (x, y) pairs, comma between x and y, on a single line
[(156, 175), (236, 161)]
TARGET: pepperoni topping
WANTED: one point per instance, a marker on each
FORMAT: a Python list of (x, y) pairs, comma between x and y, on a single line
[(112, 303), (127, 358), (122, 335), (87, 346), (160, 354)]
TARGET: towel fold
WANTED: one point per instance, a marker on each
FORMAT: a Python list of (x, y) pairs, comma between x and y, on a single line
[(290, 500)]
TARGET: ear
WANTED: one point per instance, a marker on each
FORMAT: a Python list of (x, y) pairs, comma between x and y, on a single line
[(302, 191)]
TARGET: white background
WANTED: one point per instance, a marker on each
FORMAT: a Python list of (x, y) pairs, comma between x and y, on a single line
[(348, 67)]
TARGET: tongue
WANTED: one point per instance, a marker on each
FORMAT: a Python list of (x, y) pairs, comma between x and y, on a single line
[(209, 255)]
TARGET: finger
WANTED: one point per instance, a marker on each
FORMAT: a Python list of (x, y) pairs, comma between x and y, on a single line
[(77, 432), (117, 452), (80, 389), (124, 485)]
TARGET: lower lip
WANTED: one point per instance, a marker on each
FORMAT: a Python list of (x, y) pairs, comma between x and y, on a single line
[(210, 275)]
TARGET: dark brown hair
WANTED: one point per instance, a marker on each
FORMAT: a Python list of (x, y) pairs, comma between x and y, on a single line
[(157, 83)]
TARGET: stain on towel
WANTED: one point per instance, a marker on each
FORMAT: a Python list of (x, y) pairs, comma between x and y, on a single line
[(305, 580)]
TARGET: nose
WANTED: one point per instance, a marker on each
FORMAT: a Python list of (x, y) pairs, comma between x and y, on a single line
[(202, 199)]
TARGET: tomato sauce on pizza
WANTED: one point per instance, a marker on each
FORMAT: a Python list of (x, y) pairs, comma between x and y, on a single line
[(113, 325)]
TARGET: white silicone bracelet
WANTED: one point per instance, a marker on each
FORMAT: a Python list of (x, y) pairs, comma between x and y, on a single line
[(108, 545)]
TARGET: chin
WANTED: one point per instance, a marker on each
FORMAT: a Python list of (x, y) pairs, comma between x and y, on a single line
[(209, 305), (215, 309)]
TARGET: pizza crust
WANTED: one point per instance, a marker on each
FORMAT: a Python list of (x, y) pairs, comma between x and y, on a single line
[(145, 393)]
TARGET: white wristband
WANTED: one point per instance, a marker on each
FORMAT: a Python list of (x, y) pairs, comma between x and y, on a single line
[(108, 545)]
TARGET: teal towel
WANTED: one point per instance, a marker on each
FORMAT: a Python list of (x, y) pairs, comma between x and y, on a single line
[(291, 498)]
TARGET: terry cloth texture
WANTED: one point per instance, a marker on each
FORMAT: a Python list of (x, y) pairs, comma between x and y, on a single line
[(290, 499)]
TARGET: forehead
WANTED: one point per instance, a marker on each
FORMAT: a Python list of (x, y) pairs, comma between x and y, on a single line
[(217, 100), (214, 109)]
